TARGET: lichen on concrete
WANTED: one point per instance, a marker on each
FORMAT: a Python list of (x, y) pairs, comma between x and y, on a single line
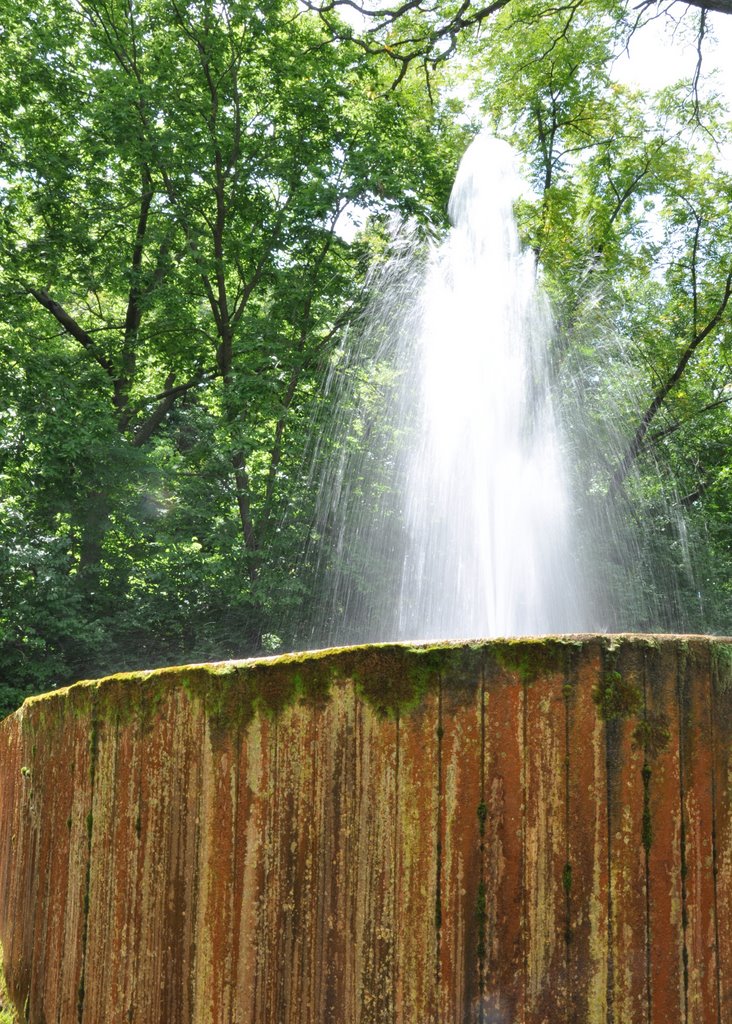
[(534, 828)]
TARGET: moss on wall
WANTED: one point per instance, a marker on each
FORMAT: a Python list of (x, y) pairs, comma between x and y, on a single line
[(390, 829)]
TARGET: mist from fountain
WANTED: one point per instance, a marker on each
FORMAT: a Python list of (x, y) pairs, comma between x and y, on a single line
[(448, 503), (465, 483), (487, 508)]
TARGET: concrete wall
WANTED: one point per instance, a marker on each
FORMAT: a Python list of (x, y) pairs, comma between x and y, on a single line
[(508, 832)]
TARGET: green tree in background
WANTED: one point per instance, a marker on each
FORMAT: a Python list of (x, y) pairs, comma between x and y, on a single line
[(174, 180), (630, 226), (178, 264), (628, 222)]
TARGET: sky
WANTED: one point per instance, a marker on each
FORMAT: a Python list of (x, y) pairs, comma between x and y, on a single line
[(661, 53)]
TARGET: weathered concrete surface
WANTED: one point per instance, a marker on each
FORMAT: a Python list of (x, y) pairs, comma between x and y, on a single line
[(537, 831)]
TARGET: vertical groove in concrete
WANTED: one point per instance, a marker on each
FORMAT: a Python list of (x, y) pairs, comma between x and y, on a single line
[(379, 893), (481, 915), (269, 932), (610, 975), (698, 765), (619, 697), (567, 688), (137, 755), (545, 851), (417, 864), (667, 986), (722, 719), (504, 959), (523, 933), (647, 841), (439, 734), (394, 854), (262, 780), (195, 789), (681, 682), (607, 666), (715, 856), (460, 790), (93, 744), (105, 811), (587, 845), (628, 853), (332, 756)]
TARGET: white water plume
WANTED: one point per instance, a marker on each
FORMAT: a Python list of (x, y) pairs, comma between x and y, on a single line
[(455, 518)]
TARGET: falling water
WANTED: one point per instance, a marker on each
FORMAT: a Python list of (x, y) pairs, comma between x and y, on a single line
[(448, 506), (487, 508)]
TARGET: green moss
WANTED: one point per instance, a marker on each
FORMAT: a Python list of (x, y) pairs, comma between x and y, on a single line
[(91, 696), (80, 999), (482, 815), (231, 695), (481, 916), (530, 659), (393, 679), (93, 748), (722, 664), (123, 699), (652, 734), (647, 825), (480, 904), (567, 878), (617, 697), (8, 1013), (394, 682)]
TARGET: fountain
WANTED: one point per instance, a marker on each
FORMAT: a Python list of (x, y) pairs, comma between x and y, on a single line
[(514, 832), (455, 520), (490, 832)]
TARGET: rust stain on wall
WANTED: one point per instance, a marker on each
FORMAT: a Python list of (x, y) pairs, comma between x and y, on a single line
[(519, 832)]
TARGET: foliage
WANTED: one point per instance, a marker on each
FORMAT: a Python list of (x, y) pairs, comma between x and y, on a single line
[(178, 270), (175, 271), (628, 220)]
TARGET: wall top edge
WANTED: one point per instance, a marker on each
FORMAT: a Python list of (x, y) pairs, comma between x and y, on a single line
[(393, 676)]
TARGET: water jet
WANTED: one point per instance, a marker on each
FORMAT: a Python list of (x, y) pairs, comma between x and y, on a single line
[(458, 517)]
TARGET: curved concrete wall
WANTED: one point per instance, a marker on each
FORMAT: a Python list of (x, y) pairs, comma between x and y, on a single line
[(503, 832)]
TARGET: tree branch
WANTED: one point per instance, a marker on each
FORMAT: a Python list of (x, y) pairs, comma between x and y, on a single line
[(720, 6), (146, 429), (71, 326), (638, 441), (658, 435), (180, 389)]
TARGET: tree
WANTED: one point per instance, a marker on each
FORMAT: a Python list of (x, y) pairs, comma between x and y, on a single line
[(431, 33), (628, 224), (177, 267), (175, 181)]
